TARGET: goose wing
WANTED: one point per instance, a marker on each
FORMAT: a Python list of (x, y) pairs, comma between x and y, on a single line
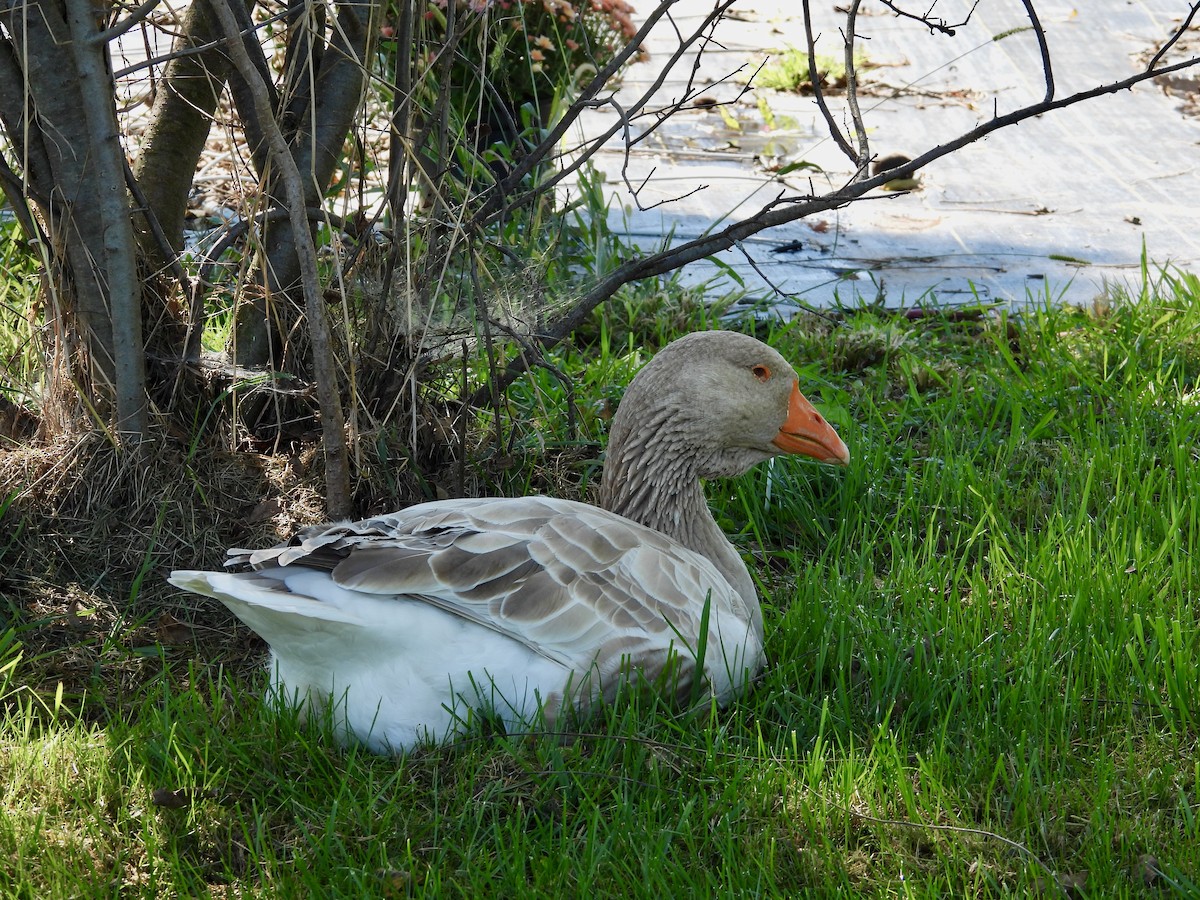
[(577, 584)]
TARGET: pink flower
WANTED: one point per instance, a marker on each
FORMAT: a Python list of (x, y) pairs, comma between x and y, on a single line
[(564, 7), (536, 55)]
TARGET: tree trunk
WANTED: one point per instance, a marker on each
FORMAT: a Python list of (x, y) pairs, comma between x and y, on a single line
[(180, 122), (316, 129), (52, 141), (59, 113), (116, 268)]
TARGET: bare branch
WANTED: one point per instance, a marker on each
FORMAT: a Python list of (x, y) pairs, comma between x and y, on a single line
[(818, 95), (860, 130), (15, 191), (333, 422), (704, 36), (934, 25), (484, 316), (1043, 48), (1174, 37), (581, 155), (156, 230), (662, 114), (209, 262), (498, 206), (787, 295), (782, 210), (636, 191), (131, 21), (193, 49)]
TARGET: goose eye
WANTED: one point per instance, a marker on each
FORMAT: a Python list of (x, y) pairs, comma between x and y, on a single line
[(761, 372)]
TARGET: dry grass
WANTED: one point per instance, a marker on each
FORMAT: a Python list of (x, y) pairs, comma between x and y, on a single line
[(91, 532)]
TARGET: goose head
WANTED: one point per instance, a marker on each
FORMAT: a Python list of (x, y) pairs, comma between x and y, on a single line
[(715, 404)]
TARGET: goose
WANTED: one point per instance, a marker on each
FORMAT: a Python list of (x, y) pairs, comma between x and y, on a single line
[(407, 625)]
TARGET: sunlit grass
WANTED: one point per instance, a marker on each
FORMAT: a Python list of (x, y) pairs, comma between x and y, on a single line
[(984, 677), (20, 315), (789, 71)]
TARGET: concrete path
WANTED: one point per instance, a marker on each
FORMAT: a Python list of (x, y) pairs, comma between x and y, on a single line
[(1057, 206)]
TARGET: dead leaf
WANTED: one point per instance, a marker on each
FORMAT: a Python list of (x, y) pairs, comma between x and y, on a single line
[(180, 797), (789, 247), (1073, 883), (1150, 870), (891, 161), (265, 511), (173, 632), (394, 883), (169, 799)]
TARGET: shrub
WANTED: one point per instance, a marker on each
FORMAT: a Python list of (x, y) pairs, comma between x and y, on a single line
[(533, 51)]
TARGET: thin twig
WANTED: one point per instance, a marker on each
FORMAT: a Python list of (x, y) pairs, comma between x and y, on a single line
[(1175, 37), (506, 196), (532, 352), (860, 130), (483, 316), (580, 156), (131, 21), (814, 77), (401, 156), (934, 25), (168, 252), (790, 296), (461, 425), (1043, 48), (193, 50), (210, 261), (959, 829)]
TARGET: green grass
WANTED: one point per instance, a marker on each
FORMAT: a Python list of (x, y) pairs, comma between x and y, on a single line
[(985, 668), (19, 313), (789, 71)]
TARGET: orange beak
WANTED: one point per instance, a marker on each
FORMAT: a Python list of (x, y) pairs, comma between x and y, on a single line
[(806, 433)]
